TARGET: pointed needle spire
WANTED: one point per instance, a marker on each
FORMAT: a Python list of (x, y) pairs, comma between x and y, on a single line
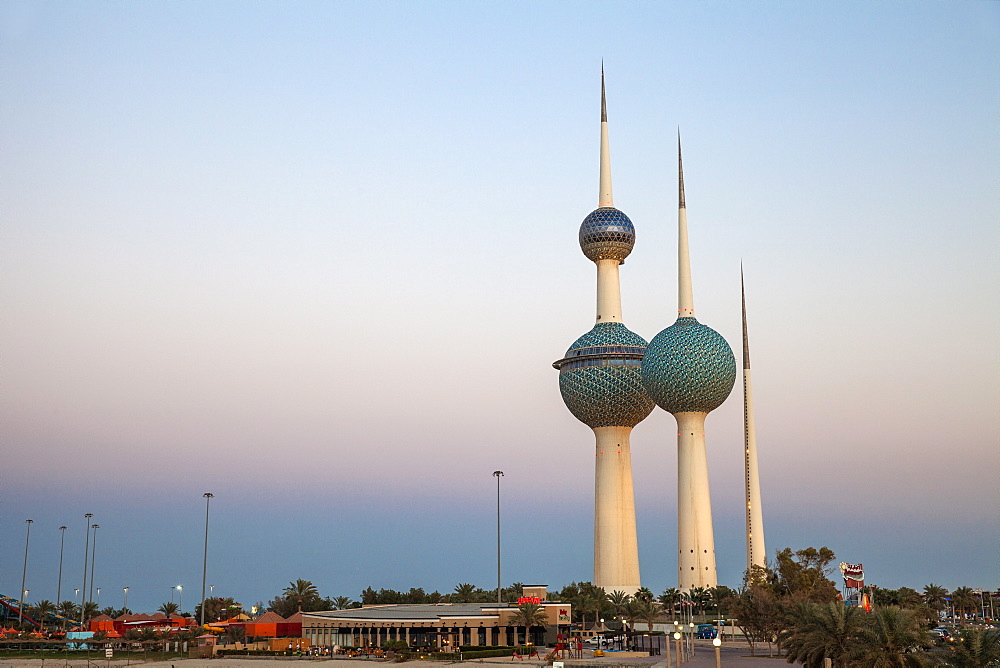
[(604, 196), (680, 172), (746, 340), (685, 293)]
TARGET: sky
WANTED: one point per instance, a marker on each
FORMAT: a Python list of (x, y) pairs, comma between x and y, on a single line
[(317, 258)]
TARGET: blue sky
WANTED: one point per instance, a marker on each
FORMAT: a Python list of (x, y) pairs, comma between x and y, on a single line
[(317, 259)]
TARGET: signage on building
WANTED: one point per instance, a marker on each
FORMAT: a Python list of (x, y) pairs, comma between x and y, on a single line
[(854, 575), (529, 599), (564, 615)]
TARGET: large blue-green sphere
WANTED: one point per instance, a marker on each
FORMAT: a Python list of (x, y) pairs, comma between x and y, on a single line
[(599, 378), (607, 234), (688, 367)]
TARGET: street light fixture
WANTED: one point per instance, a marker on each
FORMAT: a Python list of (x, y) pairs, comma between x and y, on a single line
[(93, 561), (24, 573), (180, 599), (98, 598), (680, 650), (86, 559), (718, 650), (62, 543), (498, 475), (204, 564), (124, 599)]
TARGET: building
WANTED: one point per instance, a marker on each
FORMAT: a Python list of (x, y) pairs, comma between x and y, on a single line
[(756, 552), (600, 384), (689, 370), (439, 627)]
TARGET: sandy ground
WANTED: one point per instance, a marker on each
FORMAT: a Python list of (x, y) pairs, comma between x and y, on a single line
[(704, 658)]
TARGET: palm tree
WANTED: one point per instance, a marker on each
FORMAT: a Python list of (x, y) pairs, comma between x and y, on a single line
[(889, 639), (963, 599), (301, 590), (818, 631), (89, 610), (528, 615), (69, 610), (936, 597), (977, 647), (342, 602), (464, 592), (643, 593), (43, 609), (648, 610), (169, 609), (618, 600), (699, 597), (670, 598)]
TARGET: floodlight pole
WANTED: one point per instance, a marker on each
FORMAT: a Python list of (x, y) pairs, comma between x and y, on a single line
[(86, 560), (24, 573), (204, 564), (498, 475), (93, 561)]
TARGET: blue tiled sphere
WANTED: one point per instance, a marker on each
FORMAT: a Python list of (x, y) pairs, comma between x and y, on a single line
[(688, 367), (599, 378), (607, 234)]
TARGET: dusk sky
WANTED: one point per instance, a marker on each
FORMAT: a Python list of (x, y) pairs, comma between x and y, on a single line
[(318, 257)]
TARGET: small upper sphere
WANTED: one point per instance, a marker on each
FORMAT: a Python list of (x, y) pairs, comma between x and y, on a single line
[(607, 234), (688, 367)]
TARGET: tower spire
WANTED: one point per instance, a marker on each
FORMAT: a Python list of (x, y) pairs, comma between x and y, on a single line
[(756, 550), (685, 294), (604, 198)]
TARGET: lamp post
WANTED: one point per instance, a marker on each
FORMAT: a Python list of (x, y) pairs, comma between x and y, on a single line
[(204, 564), (24, 573), (93, 560), (62, 543), (498, 475), (668, 652), (180, 599), (680, 649), (691, 634), (124, 599), (718, 652), (98, 598), (86, 558)]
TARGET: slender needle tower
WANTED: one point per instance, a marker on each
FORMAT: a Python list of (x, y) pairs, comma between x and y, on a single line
[(600, 383), (689, 370), (756, 551)]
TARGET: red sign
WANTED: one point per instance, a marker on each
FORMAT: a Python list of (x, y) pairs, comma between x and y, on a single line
[(529, 599)]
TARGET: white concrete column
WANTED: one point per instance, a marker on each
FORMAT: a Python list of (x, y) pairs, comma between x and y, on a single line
[(695, 536), (616, 549), (609, 296)]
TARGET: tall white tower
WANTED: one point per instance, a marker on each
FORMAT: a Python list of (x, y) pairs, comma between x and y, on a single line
[(756, 552), (689, 370), (600, 384)]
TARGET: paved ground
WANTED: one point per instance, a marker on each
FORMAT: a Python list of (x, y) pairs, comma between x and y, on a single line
[(732, 654)]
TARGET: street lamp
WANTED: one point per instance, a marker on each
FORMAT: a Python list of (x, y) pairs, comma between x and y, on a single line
[(124, 599), (204, 564), (180, 599), (62, 543), (98, 598), (718, 650), (86, 558), (691, 639), (680, 650), (24, 573), (93, 561), (498, 475)]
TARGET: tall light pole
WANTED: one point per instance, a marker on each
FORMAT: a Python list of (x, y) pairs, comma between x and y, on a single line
[(86, 559), (125, 599), (498, 475), (93, 561), (62, 543), (718, 655), (204, 564), (180, 599), (98, 598), (24, 573)]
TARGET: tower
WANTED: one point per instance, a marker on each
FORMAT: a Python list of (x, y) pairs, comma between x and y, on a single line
[(600, 383), (689, 370), (756, 552)]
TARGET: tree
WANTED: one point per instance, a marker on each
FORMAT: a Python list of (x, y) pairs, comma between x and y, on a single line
[(644, 594), (529, 615), (648, 610), (817, 631), (936, 597), (464, 592), (43, 610), (169, 609), (69, 610), (803, 574), (670, 598), (89, 611), (891, 637), (963, 599), (218, 608), (342, 603), (976, 647), (301, 591), (618, 600), (759, 613)]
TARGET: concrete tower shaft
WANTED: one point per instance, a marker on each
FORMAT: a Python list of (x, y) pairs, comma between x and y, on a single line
[(756, 550)]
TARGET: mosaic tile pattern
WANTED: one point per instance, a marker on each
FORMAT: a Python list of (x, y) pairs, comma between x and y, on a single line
[(608, 391), (607, 234), (688, 367)]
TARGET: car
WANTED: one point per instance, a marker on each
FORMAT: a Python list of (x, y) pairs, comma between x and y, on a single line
[(707, 632)]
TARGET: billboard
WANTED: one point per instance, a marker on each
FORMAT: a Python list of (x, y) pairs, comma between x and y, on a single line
[(854, 575)]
